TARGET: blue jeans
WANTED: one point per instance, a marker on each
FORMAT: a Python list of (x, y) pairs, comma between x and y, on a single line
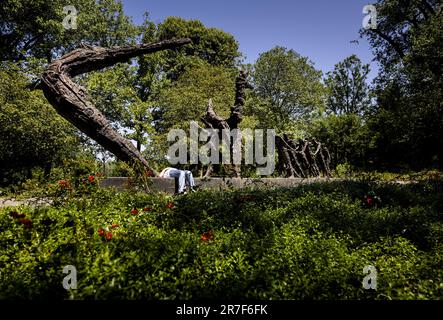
[(184, 177)]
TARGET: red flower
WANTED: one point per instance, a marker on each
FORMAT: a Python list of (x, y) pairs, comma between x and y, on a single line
[(170, 205), (101, 232), (369, 201), (134, 212), (63, 183), (108, 236), (149, 173), (91, 179), (206, 236), (26, 222), (115, 225), (147, 209)]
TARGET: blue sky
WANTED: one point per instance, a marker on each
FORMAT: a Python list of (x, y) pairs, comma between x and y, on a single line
[(319, 29)]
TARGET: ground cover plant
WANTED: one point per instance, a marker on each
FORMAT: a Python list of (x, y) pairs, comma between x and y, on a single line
[(305, 242)]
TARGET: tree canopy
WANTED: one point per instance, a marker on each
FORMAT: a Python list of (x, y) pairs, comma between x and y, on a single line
[(31, 132), (408, 45), (34, 28), (348, 88), (287, 87)]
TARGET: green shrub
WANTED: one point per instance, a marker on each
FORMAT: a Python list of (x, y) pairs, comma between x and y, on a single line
[(306, 242)]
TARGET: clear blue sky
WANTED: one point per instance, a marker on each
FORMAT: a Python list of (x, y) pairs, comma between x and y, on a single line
[(319, 29)]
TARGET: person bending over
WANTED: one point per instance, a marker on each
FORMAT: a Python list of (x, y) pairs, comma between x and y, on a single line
[(184, 177)]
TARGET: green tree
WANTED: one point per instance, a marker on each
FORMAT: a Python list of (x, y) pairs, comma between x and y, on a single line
[(287, 88), (347, 137), (32, 134), (114, 92), (212, 45), (408, 45), (155, 90), (176, 84), (34, 27), (32, 34), (347, 88), (186, 99)]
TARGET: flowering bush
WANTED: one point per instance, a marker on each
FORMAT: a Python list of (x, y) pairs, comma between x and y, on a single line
[(101, 232), (306, 242), (206, 236)]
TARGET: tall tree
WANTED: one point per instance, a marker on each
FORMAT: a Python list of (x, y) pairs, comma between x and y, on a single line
[(408, 44), (210, 47), (347, 88), (114, 92), (287, 87), (165, 84), (186, 99), (176, 85)]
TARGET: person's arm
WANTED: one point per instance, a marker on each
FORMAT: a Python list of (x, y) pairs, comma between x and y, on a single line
[(162, 174)]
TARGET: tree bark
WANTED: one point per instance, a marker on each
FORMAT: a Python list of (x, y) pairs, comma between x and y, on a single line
[(285, 159), (71, 101), (303, 158), (211, 119)]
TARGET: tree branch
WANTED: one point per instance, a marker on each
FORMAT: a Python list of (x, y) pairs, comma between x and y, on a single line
[(388, 39), (71, 102)]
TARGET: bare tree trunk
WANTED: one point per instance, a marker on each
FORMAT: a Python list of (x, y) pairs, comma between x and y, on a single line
[(285, 160), (212, 120), (298, 169), (71, 101), (299, 160)]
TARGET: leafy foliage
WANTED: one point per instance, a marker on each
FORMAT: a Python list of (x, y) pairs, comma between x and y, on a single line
[(348, 91), (408, 45), (34, 27), (31, 132), (347, 137), (308, 242), (187, 99), (287, 88)]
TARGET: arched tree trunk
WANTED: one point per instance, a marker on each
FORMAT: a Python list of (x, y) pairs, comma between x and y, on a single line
[(71, 101)]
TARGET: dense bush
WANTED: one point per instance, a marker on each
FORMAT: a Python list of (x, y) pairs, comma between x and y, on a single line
[(308, 242)]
